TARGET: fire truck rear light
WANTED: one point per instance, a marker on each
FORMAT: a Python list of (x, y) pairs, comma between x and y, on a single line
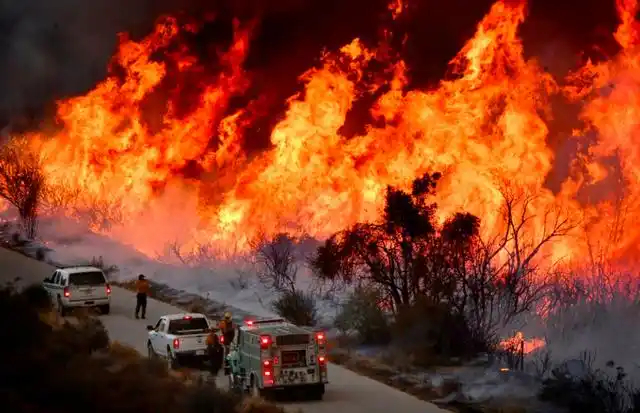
[(265, 342)]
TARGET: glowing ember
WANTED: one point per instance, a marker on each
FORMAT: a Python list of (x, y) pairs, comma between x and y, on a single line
[(396, 7), (518, 343), (120, 154)]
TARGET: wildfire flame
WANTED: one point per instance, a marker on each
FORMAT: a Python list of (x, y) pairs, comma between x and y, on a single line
[(518, 343), (118, 149)]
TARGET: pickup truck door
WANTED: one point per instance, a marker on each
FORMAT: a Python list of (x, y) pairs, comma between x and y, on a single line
[(157, 338)]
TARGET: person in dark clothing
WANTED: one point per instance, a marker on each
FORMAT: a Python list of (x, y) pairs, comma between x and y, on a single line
[(216, 352), (142, 290)]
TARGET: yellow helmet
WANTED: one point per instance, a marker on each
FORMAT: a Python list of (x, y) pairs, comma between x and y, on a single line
[(227, 316)]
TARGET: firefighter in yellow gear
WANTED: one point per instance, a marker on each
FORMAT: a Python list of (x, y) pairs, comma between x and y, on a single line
[(228, 329)]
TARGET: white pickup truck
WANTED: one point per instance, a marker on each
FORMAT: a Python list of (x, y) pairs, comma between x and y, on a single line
[(179, 338)]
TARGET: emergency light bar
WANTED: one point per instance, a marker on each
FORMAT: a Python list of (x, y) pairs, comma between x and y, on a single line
[(265, 321)]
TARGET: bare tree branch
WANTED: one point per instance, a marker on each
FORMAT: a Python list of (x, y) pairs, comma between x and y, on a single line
[(277, 263), (22, 182)]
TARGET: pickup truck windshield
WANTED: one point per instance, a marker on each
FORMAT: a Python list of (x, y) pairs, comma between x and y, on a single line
[(196, 325), (86, 278)]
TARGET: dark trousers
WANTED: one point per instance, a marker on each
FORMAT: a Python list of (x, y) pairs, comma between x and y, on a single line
[(216, 355), (141, 304)]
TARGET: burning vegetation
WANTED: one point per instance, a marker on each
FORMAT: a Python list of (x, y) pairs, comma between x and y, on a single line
[(162, 137)]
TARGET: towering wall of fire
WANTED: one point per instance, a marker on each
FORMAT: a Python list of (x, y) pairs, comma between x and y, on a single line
[(157, 146)]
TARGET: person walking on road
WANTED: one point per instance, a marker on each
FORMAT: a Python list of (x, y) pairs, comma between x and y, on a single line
[(142, 290)]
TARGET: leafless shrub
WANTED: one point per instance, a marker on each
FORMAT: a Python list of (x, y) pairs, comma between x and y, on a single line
[(502, 278), (276, 262), (241, 282), (22, 182), (542, 363), (108, 270)]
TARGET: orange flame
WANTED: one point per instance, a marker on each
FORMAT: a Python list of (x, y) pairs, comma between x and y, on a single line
[(519, 343), (119, 148)]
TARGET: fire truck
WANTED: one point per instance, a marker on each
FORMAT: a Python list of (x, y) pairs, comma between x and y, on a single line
[(272, 355)]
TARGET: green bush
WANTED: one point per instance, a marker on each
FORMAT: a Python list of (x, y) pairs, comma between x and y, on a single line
[(431, 333), (297, 307), (362, 314)]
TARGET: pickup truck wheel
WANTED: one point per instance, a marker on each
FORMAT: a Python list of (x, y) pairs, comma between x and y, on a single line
[(105, 309)]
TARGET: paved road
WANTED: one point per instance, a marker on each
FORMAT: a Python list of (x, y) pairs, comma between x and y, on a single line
[(346, 392)]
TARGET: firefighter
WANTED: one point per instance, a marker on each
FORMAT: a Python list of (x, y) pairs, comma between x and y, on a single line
[(228, 330), (216, 352), (142, 290)]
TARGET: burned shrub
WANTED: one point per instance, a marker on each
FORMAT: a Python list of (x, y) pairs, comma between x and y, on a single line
[(588, 390)]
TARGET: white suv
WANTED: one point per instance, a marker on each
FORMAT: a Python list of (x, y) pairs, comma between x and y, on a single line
[(73, 287)]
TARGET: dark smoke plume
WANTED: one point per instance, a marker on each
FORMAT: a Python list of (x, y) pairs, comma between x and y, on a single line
[(52, 49)]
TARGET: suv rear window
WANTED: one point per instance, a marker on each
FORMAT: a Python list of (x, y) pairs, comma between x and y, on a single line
[(87, 278), (188, 326)]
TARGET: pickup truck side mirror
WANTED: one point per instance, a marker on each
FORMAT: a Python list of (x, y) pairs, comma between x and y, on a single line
[(150, 328)]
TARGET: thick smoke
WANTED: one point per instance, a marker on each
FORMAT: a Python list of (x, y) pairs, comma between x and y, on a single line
[(59, 48)]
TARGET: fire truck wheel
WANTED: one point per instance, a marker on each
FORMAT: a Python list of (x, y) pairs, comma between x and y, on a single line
[(317, 392)]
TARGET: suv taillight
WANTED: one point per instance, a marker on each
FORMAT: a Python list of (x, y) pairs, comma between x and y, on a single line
[(176, 343), (66, 292), (108, 289)]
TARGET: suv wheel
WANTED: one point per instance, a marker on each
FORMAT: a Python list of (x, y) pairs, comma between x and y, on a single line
[(150, 353), (105, 309), (61, 308), (172, 361)]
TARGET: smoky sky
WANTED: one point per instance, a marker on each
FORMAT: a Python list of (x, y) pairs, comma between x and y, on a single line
[(52, 49)]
